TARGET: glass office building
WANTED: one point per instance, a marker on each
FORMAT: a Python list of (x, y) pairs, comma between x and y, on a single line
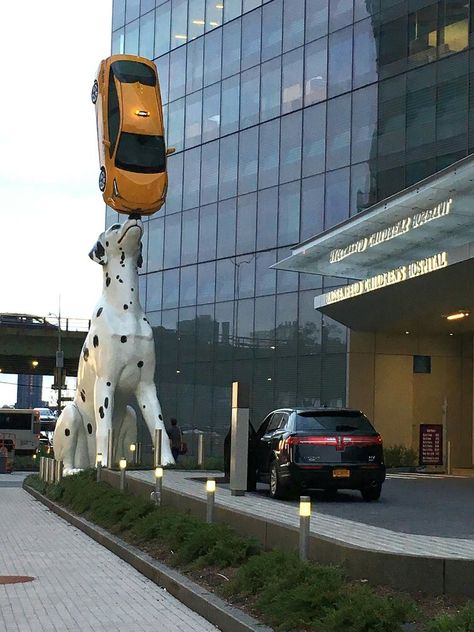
[(288, 117)]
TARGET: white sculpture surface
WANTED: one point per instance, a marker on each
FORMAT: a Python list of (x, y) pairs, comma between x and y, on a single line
[(117, 363)]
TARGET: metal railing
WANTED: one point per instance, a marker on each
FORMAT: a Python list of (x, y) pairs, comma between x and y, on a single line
[(29, 321)]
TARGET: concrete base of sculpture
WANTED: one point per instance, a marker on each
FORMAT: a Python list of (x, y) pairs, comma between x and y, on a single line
[(117, 363)]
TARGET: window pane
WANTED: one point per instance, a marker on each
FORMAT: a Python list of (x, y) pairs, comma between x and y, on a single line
[(172, 240), (153, 291), (452, 106), (363, 187), (246, 223), (196, 21), (340, 14), (267, 218), (162, 29), (314, 139), (393, 46), (231, 49), (244, 323), (316, 19), (228, 166), (147, 31), (195, 65), (175, 183), (118, 42), (162, 65), (226, 223), (364, 123), (264, 333), (315, 79), (187, 285), (118, 14), (312, 206), (211, 112), (423, 34), (309, 325), (269, 152), (214, 14), (189, 245), (155, 248), (289, 214), (131, 38), (248, 5), (176, 124), (225, 280), (290, 147), (272, 29), (212, 57), (251, 35), (132, 10), (209, 172), (249, 97), (230, 105), (337, 197), (286, 323), (232, 9), (245, 276), (339, 132), (365, 54), (177, 73), (206, 282), (170, 288), (292, 88), (192, 133), (207, 232), (248, 160), (421, 113), (271, 89), (362, 9), (265, 276), (286, 281), (179, 19), (293, 24), (454, 18), (192, 168), (340, 61)]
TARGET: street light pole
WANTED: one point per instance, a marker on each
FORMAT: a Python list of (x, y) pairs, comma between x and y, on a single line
[(59, 361)]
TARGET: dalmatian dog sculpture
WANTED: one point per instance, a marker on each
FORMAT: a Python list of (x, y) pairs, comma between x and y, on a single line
[(117, 363)]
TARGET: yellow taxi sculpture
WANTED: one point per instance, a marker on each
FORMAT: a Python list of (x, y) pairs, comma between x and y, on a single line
[(130, 134)]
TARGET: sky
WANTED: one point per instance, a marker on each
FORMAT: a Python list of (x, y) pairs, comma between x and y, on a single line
[(51, 209)]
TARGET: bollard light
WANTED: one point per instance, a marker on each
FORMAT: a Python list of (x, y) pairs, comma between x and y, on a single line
[(158, 472), (123, 466), (98, 460), (158, 484), (133, 447), (305, 517), (211, 493), (34, 457)]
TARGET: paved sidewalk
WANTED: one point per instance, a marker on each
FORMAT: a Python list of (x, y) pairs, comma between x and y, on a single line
[(338, 529), (79, 585)]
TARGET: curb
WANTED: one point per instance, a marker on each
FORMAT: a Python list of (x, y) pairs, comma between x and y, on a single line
[(205, 603)]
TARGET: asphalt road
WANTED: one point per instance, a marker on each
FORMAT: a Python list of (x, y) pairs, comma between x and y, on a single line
[(409, 503)]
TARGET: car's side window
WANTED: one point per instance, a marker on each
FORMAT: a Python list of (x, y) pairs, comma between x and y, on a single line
[(264, 426), (283, 421), (274, 423), (113, 114)]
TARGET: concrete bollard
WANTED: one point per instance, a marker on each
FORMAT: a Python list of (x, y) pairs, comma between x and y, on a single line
[(200, 450), (59, 471), (158, 438), (305, 517)]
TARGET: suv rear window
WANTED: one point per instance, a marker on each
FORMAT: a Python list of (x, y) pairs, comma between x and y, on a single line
[(133, 71), (141, 153), (347, 422)]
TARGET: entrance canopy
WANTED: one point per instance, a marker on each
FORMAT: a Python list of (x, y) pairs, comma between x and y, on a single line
[(409, 257)]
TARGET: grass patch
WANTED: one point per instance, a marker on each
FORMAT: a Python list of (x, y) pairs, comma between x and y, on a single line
[(400, 456), (276, 586)]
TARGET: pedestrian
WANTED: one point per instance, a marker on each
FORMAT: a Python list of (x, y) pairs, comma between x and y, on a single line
[(176, 438)]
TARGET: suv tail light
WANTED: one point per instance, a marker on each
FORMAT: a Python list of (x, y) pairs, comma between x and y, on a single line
[(339, 441)]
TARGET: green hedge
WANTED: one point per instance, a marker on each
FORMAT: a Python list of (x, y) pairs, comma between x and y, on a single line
[(400, 456)]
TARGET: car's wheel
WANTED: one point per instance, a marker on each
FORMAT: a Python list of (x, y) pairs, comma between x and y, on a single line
[(102, 179), (371, 492), (277, 490), (94, 92)]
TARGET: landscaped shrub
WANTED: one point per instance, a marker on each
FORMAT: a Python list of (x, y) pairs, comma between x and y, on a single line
[(463, 621), (400, 456)]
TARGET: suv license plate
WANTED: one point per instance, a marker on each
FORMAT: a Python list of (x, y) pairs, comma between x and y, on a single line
[(340, 473)]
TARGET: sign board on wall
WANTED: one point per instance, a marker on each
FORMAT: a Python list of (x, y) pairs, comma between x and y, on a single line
[(431, 444)]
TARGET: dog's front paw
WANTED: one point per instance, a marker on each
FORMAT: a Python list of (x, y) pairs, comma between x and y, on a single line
[(167, 459)]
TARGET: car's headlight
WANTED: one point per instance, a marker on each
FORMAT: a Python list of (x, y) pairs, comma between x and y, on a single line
[(115, 188)]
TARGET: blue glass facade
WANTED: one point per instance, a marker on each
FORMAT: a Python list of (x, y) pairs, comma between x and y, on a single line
[(288, 117)]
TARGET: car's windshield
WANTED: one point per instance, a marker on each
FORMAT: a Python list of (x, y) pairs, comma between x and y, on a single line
[(333, 421), (141, 153), (133, 71)]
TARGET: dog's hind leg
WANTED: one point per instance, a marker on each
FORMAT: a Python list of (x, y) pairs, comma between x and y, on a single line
[(69, 440), (151, 411), (127, 433)]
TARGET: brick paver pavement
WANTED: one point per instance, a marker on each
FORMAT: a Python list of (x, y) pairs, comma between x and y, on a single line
[(79, 585), (339, 529)]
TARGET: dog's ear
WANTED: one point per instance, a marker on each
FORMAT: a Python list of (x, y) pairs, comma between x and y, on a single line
[(97, 253), (140, 256)]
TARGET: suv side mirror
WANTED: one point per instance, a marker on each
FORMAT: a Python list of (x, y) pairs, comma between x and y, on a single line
[(170, 151)]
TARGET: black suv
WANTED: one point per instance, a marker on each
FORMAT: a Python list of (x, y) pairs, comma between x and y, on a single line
[(319, 448)]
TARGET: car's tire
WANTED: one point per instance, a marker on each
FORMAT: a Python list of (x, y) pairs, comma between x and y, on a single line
[(277, 490), (371, 492), (102, 179), (94, 92)]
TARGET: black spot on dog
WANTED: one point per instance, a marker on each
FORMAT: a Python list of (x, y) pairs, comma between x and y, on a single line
[(99, 311), (131, 303), (118, 276), (89, 428), (96, 341), (101, 412), (140, 364), (122, 257), (120, 280), (83, 396), (107, 244), (99, 250), (133, 289), (123, 339), (108, 383), (106, 402), (107, 281), (86, 354), (67, 432), (144, 406), (125, 306), (160, 417)]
